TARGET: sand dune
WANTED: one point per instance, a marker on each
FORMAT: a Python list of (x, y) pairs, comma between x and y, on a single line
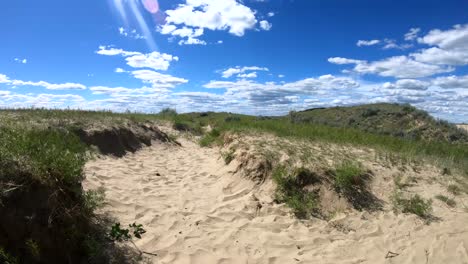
[(196, 210)]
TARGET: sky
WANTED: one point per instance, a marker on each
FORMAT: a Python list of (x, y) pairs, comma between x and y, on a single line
[(260, 57)]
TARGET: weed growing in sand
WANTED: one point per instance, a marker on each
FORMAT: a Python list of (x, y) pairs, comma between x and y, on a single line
[(290, 190), (349, 175), (94, 199), (123, 234), (454, 189), (414, 205), (228, 156), (449, 201)]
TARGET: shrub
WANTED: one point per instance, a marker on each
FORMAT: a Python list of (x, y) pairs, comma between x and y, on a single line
[(168, 112), (291, 192), (414, 205), (349, 175), (232, 119), (449, 201)]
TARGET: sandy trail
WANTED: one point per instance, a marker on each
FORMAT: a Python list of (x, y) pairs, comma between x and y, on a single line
[(195, 210)]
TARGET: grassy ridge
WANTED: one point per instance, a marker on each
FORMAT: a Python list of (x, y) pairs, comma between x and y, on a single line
[(447, 154)]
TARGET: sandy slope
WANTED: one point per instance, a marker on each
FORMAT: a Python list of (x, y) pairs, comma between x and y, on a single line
[(197, 211), (464, 126)]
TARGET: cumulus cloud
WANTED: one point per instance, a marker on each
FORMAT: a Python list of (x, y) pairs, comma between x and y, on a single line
[(153, 60), (452, 82), (239, 70), (265, 25), (157, 79), (408, 84), (197, 15), (398, 66), (50, 86), (450, 46), (361, 43)]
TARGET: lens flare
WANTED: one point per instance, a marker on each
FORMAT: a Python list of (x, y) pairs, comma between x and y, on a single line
[(151, 6)]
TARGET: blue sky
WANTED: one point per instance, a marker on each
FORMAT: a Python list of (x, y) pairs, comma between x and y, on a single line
[(263, 57)]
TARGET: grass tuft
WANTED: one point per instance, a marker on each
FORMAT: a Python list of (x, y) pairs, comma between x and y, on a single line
[(349, 175), (449, 201), (414, 205), (291, 192)]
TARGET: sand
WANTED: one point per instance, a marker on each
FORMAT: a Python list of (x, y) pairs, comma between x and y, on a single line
[(197, 210), (463, 126)]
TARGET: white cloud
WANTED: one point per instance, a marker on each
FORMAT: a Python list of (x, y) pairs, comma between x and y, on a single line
[(50, 86), (451, 46), (271, 14), (341, 61), (408, 84), (153, 60), (452, 82), (157, 79), (248, 75), (198, 15), (238, 70), (119, 70), (265, 25), (23, 61), (392, 44), (412, 34), (398, 66), (361, 43), (280, 75), (130, 34)]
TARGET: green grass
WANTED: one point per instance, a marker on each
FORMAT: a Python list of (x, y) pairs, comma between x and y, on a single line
[(414, 205), (449, 201), (210, 138), (228, 156), (291, 192), (349, 175)]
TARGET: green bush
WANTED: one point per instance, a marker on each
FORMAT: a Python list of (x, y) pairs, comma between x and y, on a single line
[(348, 175), (291, 192)]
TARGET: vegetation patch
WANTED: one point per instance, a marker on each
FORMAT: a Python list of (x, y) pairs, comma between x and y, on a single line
[(228, 156), (448, 201), (210, 138), (414, 205), (290, 190), (454, 189)]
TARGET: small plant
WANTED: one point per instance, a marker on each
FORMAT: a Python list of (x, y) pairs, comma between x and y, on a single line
[(449, 201), (349, 175), (292, 193), (94, 199), (414, 205), (228, 156), (120, 234), (7, 258), (33, 248), (454, 189)]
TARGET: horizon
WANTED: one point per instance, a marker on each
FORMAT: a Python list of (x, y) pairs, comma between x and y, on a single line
[(257, 57)]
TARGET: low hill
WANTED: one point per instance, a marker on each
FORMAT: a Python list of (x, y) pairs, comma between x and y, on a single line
[(403, 121)]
